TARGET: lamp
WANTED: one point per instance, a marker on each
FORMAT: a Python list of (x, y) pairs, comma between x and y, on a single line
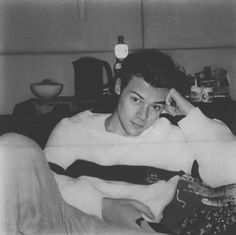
[(121, 50)]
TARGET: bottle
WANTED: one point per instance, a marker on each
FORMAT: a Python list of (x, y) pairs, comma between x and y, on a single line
[(207, 85), (195, 92)]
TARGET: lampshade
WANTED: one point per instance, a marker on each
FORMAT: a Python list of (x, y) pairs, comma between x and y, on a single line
[(121, 48)]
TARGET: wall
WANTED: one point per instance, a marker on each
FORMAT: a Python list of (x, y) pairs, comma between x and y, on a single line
[(41, 38), (190, 24)]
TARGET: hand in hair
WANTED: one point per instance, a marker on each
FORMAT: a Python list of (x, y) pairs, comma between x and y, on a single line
[(176, 104)]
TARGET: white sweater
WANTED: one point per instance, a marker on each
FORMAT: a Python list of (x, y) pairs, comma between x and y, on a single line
[(163, 145)]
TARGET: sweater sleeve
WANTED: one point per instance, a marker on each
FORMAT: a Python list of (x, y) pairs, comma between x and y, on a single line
[(81, 193), (56, 149), (197, 127), (213, 145)]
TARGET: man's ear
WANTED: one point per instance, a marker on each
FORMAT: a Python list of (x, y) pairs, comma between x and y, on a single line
[(118, 86)]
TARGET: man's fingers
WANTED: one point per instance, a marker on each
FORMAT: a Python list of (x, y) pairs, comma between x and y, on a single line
[(170, 110), (175, 99), (143, 209), (172, 97), (168, 99)]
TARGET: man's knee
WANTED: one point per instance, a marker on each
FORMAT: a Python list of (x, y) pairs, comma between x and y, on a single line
[(13, 145), (14, 139)]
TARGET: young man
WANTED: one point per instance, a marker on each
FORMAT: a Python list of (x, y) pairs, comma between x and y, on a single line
[(135, 135)]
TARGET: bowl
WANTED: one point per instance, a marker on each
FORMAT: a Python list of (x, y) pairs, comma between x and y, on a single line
[(46, 89)]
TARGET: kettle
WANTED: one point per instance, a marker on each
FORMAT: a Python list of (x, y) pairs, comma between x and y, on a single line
[(89, 81)]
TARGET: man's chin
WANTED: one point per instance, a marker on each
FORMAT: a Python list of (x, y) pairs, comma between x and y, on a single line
[(135, 132)]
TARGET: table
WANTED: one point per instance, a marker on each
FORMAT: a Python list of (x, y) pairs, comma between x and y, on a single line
[(67, 105)]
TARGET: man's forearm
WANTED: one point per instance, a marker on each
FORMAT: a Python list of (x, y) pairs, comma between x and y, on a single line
[(213, 145)]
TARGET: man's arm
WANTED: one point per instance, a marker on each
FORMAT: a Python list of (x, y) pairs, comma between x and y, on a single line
[(124, 212), (176, 104), (84, 194), (196, 126), (210, 140)]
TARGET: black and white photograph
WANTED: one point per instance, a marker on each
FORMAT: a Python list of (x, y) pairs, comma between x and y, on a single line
[(118, 117)]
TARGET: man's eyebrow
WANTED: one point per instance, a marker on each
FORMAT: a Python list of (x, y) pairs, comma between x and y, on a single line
[(134, 92), (156, 102), (160, 102)]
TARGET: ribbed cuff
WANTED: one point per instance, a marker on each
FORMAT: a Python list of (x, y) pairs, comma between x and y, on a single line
[(195, 115)]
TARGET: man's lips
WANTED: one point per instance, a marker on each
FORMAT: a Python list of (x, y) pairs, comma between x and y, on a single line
[(137, 125)]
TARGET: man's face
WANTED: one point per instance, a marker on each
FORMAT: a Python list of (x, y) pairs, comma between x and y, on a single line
[(139, 106)]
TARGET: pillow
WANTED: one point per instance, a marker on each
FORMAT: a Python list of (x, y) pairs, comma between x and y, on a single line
[(187, 215)]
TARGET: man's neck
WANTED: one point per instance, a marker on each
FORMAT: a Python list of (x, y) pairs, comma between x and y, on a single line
[(112, 124)]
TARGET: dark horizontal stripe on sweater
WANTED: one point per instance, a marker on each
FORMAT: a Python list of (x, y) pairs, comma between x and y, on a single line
[(124, 173)]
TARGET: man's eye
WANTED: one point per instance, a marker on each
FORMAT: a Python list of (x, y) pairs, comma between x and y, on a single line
[(156, 107), (135, 100)]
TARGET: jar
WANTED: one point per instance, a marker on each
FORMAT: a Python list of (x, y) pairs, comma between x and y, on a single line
[(208, 91)]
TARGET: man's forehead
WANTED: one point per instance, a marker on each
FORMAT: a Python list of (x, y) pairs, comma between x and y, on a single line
[(149, 98), (140, 87)]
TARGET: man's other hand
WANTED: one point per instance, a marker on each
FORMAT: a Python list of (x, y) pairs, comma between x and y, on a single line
[(124, 211), (176, 104)]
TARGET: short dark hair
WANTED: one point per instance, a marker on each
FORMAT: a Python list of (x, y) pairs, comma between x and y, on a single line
[(155, 67)]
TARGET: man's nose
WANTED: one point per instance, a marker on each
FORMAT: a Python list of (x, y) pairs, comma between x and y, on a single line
[(142, 113)]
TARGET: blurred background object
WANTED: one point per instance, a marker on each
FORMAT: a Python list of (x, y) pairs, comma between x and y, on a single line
[(47, 89)]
